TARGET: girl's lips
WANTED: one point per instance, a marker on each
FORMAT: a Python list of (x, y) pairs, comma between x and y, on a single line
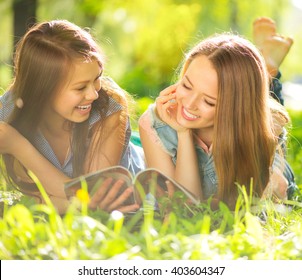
[(188, 116), (84, 108)]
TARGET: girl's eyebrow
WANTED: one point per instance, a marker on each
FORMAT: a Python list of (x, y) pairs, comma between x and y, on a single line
[(99, 75), (83, 82), (189, 80), (209, 96)]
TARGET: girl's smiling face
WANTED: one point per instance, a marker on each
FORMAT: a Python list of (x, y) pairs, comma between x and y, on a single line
[(197, 94), (74, 101)]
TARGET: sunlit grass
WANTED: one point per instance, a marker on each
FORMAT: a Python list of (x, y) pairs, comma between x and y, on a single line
[(267, 231)]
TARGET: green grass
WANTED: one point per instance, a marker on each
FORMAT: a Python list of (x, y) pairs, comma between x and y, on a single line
[(295, 144), (266, 232)]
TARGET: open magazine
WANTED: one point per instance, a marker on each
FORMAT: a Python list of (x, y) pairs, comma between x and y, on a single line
[(145, 183)]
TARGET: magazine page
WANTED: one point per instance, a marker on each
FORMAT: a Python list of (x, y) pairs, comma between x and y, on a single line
[(94, 180), (153, 181), (148, 182)]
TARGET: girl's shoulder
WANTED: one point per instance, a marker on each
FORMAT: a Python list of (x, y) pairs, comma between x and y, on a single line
[(7, 105)]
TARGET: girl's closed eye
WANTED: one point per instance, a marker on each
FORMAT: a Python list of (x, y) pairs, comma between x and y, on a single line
[(186, 86), (81, 88), (210, 103)]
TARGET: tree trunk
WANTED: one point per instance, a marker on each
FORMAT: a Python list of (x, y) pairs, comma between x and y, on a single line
[(24, 17)]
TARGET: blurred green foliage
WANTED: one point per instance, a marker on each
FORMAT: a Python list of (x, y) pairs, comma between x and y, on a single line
[(144, 41), (295, 144)]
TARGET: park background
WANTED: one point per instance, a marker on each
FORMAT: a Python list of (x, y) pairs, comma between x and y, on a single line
[(144, 42)]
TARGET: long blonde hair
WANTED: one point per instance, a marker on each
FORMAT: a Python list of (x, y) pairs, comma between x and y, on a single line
[(244, 142)]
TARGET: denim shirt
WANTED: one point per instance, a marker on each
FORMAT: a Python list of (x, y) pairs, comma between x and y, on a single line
[(169, 142)]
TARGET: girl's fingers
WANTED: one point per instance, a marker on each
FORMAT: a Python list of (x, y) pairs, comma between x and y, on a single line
[(120, 200), (171, 189), (129, 208), (167, 94), (111, 195), (165, 99), (107, 198), (100, 193), (169, 90), (160, 192), (164, 106)]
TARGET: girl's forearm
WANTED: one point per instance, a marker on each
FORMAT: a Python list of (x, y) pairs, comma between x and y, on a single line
[(50, 177), (186, 171)]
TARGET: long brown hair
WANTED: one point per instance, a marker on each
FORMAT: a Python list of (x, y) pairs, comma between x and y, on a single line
[(244, 142), (43, 59)]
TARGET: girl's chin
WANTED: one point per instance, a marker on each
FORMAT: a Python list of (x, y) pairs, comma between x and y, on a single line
[(185, 123)]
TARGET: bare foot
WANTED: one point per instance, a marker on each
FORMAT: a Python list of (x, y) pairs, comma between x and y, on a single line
[(273, 46), (275, 49), (263, 28)]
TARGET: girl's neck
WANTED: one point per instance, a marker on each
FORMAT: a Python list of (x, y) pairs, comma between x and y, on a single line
[(55, 129), (205, 135), (59, 139)]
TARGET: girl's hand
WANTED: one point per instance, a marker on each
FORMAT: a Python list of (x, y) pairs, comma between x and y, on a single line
[(166, 108), (169, 192), (109, 198)]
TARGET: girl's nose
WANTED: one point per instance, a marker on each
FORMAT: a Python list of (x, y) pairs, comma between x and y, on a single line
[(92, 94), (191, 101)]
